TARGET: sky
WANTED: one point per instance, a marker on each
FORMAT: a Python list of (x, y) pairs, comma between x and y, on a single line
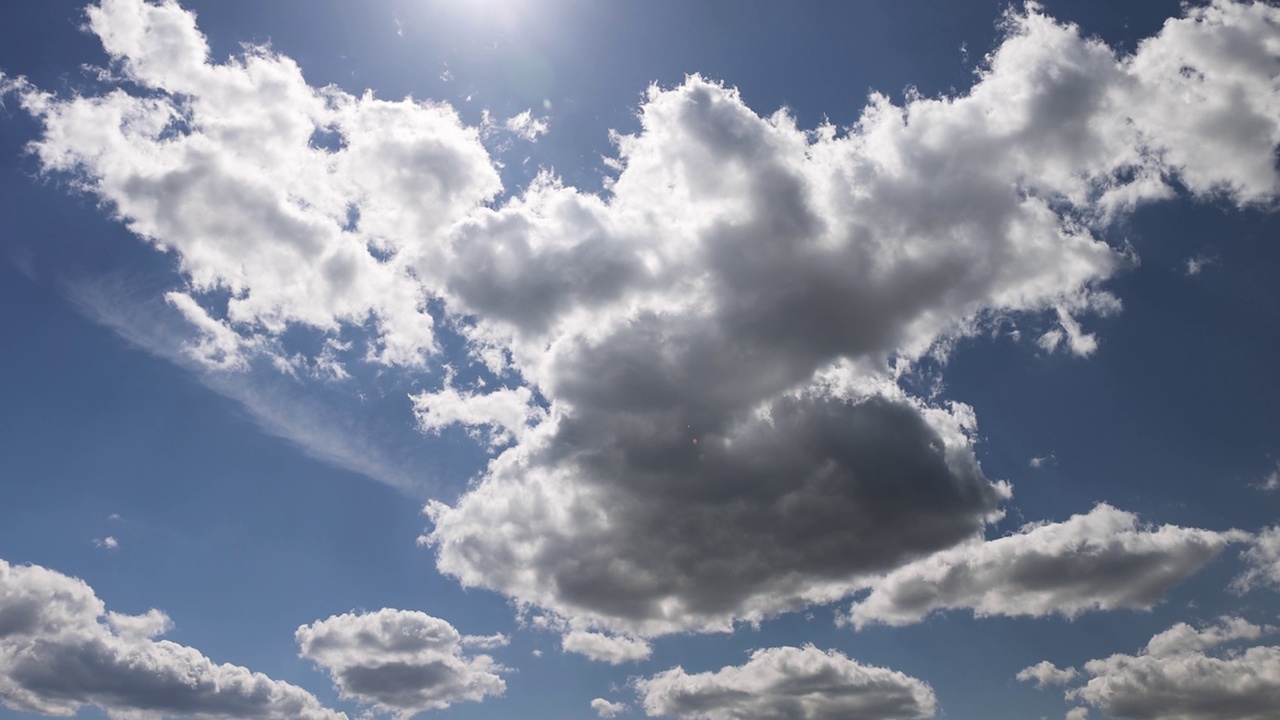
[(881, 360)]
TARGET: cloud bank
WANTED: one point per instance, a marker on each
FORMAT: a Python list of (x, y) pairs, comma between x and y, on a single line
[(692, 376), (60, 649)]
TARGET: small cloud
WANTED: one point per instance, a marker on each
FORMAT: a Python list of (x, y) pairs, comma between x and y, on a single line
[(1198, 263), (107, 543), (614, 650), (115, 516), (1043, 460), (537, 653), (606, 709), (486, 642), (1271, 482), (526, 127), (1046, 673)]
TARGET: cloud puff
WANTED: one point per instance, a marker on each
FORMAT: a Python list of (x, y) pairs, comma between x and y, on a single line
[(606, 709), (60, 650), (1262, 561), (1101, 560), (1046, 673), (788, 682), (401, 661), (1174, 678), (697, 400), (613, 650)]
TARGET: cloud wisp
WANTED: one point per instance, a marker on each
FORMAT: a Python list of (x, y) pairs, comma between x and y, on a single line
[(691, 387)]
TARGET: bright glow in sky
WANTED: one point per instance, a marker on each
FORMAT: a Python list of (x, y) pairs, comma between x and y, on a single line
[(698, 361)]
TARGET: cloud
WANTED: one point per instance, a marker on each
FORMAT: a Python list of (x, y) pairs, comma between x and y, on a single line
[(606, 709), (613, 650), (1196, 265), (60, 650), (1039, 461), (1271, 482), (1262, 561), (401, 661), (1102, 560), (1046, 673), (1174, 678), (788, 682), (743, 283)]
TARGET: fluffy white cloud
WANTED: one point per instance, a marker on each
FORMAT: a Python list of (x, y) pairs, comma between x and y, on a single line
[(1101, 560), (698, 365), (218, 163), (1046, 673), (1174, 678), (1262, 561), (788, 682), (606, 709), (60, 650), (401, 661), (610, 649)]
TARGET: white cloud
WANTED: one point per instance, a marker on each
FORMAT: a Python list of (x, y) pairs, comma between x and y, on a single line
[(1046, 673), (744, 283), (606, 709), (1101, 560), (1040, 461), (61, 650), (486, 642), (526, 127), (611, 649), (1078, 714), (1174, 678), (1196, 265), (401, 661), (108, 542), (502, 415), (1271, 482), (1262, 561), (788, 682)]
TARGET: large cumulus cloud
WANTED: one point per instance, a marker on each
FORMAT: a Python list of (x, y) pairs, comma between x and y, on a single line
[(693, 373), (60, 649)]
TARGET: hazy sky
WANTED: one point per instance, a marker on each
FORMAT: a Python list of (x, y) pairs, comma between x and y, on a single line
[(711, 360)]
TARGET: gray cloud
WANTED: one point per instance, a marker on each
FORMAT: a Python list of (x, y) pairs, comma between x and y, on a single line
[(1101, 560), (1175, 678), (402, 661), (60, 650), (788, 682)]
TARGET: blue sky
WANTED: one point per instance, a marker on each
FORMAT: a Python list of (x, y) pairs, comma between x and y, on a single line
[(565, 359)]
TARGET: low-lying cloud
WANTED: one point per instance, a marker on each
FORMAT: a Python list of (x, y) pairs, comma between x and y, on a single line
[(60, 650)]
